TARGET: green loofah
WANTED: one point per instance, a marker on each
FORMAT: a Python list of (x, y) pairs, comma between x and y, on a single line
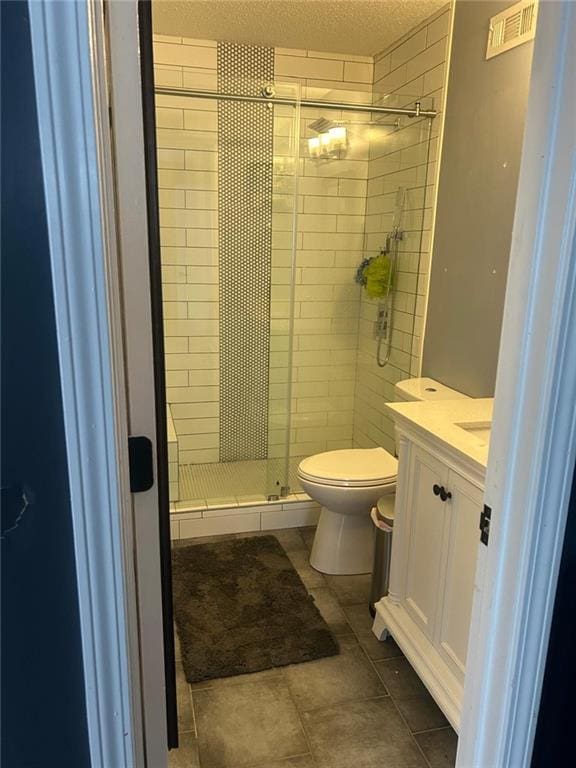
[(377, 275)]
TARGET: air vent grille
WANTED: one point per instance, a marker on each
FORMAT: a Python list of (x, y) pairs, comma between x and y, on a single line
[(512, 27)]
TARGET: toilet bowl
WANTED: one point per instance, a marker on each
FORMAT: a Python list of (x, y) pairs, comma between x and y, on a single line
[(347, 483)]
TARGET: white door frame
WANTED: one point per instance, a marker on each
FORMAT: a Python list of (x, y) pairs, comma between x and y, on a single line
[(533, 444), (97, 222), (128, 152)]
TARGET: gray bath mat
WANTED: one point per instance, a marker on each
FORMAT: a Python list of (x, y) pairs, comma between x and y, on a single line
[(240, 607)]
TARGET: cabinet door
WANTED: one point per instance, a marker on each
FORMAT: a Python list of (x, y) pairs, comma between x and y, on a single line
[(425, 518), (461, 554)]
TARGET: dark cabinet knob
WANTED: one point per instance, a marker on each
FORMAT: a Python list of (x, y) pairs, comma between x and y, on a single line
[(444, 494), (439, 490)]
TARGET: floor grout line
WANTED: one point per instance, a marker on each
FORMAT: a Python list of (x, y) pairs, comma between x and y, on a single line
[(391, 697), (193, 710), (373, 665), (433, 730), (301, 721), (266, 763), (413, 736), (393, 700), (347, 701)]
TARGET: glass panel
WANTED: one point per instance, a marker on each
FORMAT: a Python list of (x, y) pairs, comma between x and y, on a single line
[(227, 185), (274, 350), (362, 191), (397, 234), (334, 148), (284, 241)]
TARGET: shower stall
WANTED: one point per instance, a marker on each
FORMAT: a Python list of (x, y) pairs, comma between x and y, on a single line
[(272, 192)]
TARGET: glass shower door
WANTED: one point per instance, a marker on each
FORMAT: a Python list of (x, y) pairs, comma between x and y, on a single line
[(227, 188), (287, 169), (353, 164)]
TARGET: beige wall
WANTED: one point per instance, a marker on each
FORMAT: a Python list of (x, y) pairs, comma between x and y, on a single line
[(487, 101)]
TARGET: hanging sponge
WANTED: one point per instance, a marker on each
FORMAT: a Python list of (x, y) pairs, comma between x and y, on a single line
[(378, 277)]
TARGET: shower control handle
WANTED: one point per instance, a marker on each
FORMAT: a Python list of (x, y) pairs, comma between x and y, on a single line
[(436, 490)]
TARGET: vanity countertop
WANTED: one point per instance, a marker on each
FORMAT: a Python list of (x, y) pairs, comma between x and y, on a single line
[(462, 425)]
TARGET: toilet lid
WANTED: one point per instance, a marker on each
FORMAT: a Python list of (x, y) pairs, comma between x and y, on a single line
[(355, 466)]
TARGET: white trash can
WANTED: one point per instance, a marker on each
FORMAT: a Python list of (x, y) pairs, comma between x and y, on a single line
[(383, 518)]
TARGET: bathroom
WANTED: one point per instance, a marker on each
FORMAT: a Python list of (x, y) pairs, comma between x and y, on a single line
[(356, 567), (333, 241)]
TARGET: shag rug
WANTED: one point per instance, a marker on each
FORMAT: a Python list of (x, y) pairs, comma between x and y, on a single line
[(240, 607)]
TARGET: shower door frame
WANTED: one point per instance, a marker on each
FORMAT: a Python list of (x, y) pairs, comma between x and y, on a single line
[(544, 235)]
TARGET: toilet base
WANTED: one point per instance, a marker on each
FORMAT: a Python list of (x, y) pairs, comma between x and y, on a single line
[(343, 544)]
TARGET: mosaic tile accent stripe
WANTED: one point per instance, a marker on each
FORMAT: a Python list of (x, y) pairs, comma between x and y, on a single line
[(245, 168)]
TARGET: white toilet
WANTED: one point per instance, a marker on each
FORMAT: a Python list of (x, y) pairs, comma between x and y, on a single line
[(348, 483)]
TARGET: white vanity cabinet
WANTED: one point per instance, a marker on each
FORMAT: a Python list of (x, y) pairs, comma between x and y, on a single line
[(434, 553), (461, 547)]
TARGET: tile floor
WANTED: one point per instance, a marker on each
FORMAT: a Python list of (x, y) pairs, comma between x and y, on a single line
[(365, 708)]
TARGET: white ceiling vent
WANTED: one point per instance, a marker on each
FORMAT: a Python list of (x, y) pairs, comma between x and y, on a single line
[(512, 27)]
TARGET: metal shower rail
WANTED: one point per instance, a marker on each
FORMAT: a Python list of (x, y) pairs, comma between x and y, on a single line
[(417, 111)]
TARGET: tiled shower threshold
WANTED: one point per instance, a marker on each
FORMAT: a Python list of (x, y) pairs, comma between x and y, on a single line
[(221, 498), (239, 514)]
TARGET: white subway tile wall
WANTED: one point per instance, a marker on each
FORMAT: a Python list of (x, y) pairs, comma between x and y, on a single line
[(331, 208), (344, 208), (331, 205), (187, 142), (173, 464), (413, 68)]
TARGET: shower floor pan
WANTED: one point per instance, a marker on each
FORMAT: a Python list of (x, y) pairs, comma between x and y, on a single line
[(236, 482)]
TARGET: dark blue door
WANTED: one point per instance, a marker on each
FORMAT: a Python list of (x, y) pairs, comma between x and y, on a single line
[(43, 706)]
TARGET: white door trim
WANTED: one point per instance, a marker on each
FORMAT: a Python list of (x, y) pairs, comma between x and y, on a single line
[(82, 254), (533, 446), (128, 150)]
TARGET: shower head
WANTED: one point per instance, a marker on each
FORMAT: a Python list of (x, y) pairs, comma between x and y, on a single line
[(322, 125)]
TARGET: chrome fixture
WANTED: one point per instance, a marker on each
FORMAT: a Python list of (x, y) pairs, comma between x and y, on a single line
[(318, 103), (331, 143), (322, 125), (384, 325)]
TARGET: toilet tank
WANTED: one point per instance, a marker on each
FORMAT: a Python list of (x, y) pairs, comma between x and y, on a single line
[(423, 389)]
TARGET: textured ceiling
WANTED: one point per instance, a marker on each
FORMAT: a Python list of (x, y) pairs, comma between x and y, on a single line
[(363, 27)]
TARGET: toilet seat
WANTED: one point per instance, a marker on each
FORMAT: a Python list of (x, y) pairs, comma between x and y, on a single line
[(350, 468)]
